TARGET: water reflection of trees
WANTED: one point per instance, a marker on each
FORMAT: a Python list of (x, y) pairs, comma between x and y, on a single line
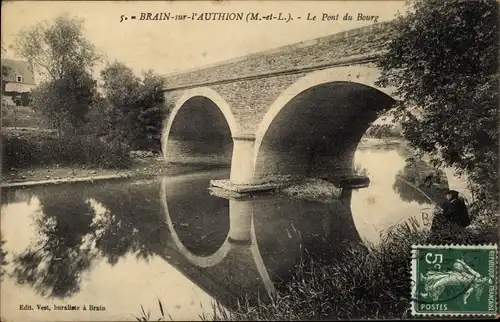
[(78, 226), (420, 182), (360, 170), (132, 224), (55, 262), (3, 256), (71, 235), (10, 196)]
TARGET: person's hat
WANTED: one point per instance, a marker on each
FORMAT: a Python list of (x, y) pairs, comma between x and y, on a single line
[(454, 193)]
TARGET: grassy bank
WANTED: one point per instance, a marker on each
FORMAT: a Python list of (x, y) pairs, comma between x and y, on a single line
[(33, 148), (366, 282), (363, 283), (22, 116), (46, 149), (37, 155)]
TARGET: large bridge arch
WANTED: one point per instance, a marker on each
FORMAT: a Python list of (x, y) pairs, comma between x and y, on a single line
[(207, 106), (316, 124)]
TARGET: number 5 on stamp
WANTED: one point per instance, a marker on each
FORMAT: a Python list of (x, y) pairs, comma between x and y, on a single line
[(455, 280)]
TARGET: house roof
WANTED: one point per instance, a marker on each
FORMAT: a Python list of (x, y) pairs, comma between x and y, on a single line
[(19, 68)]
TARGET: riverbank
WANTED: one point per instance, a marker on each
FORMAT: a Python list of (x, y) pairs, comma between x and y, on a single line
[(370, 142), (141, 167), (365, 283)]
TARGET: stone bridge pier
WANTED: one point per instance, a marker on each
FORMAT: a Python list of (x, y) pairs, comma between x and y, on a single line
[(296, 111)]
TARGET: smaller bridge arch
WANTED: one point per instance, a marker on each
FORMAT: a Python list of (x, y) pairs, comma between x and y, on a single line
[(200, 95), (340, 92), (241, 236), (200, 261)]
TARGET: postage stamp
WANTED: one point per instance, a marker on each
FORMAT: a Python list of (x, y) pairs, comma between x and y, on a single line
[(455, 280)]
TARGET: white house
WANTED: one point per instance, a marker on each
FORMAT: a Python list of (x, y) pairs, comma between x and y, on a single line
[(19, 76)]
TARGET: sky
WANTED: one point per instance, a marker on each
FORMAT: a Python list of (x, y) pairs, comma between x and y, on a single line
[(173, 46)]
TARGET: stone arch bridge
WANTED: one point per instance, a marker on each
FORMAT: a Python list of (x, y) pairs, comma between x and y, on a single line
[(297, 110)]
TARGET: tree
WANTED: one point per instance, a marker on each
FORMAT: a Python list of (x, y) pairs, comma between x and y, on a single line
[(6, 70), (66, 58), (443, 61), (65, 102), (152, 111), (57, 49), (136, 106), (120, 90)]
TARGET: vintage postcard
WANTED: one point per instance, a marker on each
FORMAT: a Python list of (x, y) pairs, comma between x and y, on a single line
[(249, 160)]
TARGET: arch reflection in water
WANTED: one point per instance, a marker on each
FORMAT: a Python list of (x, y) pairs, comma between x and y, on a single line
[(237, 262), (267, 238), (290, 232)]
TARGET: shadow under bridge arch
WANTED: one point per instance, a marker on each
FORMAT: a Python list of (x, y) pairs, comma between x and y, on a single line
[(314, 127), (199, 129)]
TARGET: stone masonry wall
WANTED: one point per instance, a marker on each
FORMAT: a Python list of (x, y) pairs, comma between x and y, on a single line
[(250, 99), (362, 41)]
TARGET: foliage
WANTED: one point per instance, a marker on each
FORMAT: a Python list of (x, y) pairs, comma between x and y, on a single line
[(84, 150), (443, 62), (57, 49), (420, 182), (147, 316), (22, 116), (131, 114), (5, 73), (19, 98), (380, 131), (63, 225), (65, 102), (136, 106), (3, 255), (66, 58), (73, 233), (25, 98), (312, 189)]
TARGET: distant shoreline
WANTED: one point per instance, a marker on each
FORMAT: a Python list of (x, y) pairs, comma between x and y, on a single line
[(374, 142), (143, 168)]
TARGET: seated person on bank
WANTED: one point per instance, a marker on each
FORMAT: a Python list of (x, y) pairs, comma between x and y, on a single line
[(451, 214)]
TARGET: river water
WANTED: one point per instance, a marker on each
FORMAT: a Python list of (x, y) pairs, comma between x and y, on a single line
[(119, 245)]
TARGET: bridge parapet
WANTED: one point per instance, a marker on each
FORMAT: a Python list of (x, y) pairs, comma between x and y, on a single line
[(365, 41)]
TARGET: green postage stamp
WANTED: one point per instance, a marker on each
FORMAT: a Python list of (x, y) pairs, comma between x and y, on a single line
[(455, 280)]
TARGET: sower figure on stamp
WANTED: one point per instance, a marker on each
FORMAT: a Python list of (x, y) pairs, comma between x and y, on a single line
[(450, 219)]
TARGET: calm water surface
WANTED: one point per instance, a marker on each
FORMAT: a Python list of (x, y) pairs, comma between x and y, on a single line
[(120, 245)]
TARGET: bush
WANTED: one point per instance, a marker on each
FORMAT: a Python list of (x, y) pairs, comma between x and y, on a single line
[(136, 106), (79, 150), (365, 282), (26, 99)]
